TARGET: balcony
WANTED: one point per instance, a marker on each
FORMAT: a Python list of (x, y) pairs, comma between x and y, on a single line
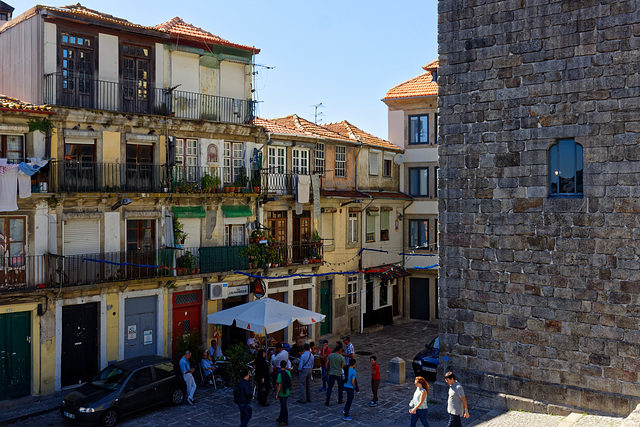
[(205, 179), (275, 182), (23, 272), (281, 254), (140, 98), (91, 177)]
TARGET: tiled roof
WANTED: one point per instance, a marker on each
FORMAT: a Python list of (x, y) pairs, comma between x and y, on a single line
[(387, 195), (5, 7), (302, 125), (15, 104), (423, 85), (346, 194), (352, 132), (433, 65), (177, 28), (271, 126)]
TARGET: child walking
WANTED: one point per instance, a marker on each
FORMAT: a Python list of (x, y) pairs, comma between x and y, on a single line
[(375, 380)]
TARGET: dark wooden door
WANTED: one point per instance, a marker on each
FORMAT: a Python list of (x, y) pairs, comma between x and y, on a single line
[(300, 299), (79, 343), (139, 167), (136, 79), (77, 83), (419, 298), (141, 247), (79, 168), (232, 334), (301, 236)]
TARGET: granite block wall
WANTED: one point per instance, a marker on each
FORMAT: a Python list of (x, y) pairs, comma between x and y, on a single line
[(540, 296)]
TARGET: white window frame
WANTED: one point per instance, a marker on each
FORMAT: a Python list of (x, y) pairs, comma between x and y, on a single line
[(234, 235), (352, 228), (341, 162), (319, 158), (352, 290), (300, 161), (232, 161), (373, 163)]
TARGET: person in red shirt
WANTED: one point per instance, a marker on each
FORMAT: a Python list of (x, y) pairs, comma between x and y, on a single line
[(375, 380), (325, 351)]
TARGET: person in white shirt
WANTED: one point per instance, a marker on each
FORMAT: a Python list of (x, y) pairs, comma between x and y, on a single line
[(280, 355), (305, 366), (253, 343)]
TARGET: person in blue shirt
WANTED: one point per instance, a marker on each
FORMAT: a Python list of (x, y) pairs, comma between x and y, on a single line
[(244, 399), (187, 374), (349, 386)]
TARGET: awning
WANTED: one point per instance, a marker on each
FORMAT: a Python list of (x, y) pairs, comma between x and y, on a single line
[(394, 272), (188, 211), (236, 211)]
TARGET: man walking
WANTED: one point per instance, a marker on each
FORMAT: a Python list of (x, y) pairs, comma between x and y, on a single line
[(283, 389), (457, 402), (349, 385), (243, 399), (305, 367), (187, 374), (336, 362)]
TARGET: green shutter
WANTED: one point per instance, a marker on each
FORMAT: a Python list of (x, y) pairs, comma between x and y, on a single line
[(188, 211), (236, 211), (384, 220)]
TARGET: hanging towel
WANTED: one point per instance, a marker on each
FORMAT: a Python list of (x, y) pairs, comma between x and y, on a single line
[(31, 168), (315, 185), (303, 188), (24, 184), (299, 207), (9, 189)]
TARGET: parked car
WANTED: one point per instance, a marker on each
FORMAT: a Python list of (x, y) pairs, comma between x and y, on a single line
[(122, 388), (426, 362)]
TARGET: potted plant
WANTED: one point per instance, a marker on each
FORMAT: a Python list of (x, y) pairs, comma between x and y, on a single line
[(237, 186), (178, 233), (255, 183), (216, 183), (206, 183), (254, 254), (188, 263), (271, 254)]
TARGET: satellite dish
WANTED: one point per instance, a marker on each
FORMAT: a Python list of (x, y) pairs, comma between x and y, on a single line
[(398, 159)]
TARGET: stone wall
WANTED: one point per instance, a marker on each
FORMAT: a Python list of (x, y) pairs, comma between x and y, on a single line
[(540, 296)]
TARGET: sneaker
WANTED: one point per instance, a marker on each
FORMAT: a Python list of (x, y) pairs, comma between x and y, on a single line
[(372, 404), (189, 401), (345, 418)]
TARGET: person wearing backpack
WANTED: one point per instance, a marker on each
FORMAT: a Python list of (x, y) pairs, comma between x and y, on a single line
[(349, 386), (283, 390), (243, 397)]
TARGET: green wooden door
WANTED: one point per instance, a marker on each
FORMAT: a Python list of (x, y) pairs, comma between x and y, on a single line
[(15, 354), (325, 306)]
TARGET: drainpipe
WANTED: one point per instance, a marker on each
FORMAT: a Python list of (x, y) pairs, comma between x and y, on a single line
[(363, 236)]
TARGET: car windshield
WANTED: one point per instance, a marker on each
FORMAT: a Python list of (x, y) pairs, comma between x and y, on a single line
[(110, 378)]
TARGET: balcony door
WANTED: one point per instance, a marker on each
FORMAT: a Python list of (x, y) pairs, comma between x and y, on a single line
[(77, 69), (277, 166), (139, 167), (301, 236), (12, 251), (141, 247), (136, 79), (79, 172)]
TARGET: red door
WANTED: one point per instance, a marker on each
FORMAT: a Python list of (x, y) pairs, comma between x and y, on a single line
[(187, 316)]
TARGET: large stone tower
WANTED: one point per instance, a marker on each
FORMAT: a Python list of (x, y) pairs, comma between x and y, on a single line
[(540, 198)]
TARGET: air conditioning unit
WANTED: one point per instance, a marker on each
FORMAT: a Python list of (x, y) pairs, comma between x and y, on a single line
[(218, 290)]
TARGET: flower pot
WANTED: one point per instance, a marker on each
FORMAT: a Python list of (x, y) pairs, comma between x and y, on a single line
[(256, 189)]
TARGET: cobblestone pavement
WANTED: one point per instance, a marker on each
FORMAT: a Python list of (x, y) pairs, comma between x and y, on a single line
[(216, 406)]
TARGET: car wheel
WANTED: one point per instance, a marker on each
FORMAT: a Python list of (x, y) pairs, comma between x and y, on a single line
[(110, 418), (177, 396)]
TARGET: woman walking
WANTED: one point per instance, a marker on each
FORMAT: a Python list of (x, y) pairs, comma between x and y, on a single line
[(263, 375), (418, 404)]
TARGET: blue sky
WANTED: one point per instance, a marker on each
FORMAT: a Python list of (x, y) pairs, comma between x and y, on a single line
[(343, 54)]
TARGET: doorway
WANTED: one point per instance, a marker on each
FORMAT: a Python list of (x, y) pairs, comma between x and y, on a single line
[(15, 354), (140, 329), (79, 343), (326, 303), (187, 316), (300, 299), (419, 298), (232, 334)]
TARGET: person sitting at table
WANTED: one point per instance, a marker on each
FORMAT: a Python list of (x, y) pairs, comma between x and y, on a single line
[(252, 342), (215, 352), (208, 367), (296, 349)]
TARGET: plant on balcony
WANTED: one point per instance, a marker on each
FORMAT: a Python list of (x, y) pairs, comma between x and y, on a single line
[(272, 254), (254, 254), (178, 232), (188, 263), (255, 183), (257, 235), (237, 186), (186, 187), (207, 183), (216, 183)]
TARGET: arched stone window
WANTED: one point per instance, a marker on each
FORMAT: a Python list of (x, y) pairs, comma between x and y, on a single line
[(565, 169)]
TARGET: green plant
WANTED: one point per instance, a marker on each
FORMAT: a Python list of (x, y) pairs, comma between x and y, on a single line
[(178, 231), (206, 182), (188, 261), (216, 181), (272, 253), (42, 125), (254, 253), (315, 237), (238, 357), (192, 342)]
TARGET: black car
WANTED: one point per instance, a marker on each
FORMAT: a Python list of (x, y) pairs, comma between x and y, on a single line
[(426, 362), (122, 388)]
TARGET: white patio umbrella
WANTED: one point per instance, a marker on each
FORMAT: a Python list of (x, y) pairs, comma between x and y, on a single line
[(264, 315)]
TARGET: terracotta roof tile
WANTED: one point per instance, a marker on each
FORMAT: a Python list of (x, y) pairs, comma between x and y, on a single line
[(177, 28), (352, 132), (433, 65), (271, 126), (423, 85), (9, 103), (302, 125)]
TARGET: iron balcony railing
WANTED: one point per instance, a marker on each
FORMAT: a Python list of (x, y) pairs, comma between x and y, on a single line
[(23, 272), (276, 182), (206, 179), (86, 176), (138, 96)]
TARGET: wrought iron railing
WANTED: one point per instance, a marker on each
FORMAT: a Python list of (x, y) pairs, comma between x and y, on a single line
[(80, 176), (208, 179), (23, 272), (276, 182), (140, 97)]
